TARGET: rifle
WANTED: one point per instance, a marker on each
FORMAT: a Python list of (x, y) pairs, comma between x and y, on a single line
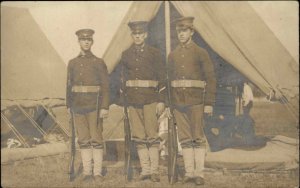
[(128, 142), (172, 138), (73, 149)]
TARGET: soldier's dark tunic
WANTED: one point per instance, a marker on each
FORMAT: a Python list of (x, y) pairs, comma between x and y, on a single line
[(85, 72), (191, 63), (144, 64)]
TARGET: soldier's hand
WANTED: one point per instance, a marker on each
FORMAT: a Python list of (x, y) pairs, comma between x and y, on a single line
[(208, 110), (103, 113), (160, 107)]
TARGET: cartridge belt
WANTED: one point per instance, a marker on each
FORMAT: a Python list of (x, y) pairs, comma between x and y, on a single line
[(141, 83), (188, 83), (85, 89)]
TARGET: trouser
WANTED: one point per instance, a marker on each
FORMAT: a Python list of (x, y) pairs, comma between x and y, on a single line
[(190, 125), (144, 131), (89, 133), (191, 136), (90, 141)]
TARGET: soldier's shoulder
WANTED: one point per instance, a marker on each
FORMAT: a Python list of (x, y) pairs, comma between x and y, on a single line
[(152, 48), (199, 48), (98, 60), (127, 51), (72, 61), (176, 50), (154, 51)]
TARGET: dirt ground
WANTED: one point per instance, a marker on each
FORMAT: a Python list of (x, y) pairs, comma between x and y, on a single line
[(52, 171)]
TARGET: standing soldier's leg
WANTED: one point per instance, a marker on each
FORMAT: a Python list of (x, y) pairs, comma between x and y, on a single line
[(151, 128), (196, 117), (137, 127), (83, 134), (185, 138), (97, 143)]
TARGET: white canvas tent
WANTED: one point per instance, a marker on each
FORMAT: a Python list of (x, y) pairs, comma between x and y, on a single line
[(30, 66)]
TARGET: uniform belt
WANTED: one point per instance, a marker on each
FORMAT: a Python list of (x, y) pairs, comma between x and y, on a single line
[(188, 83), (141, 83), (85, 89)]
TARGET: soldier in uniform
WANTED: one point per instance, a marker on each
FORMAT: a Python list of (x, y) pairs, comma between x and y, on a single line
[(191, 71), (143, 72), (88, 99)]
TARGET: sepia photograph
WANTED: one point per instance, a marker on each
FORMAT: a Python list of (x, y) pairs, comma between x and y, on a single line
[(150, 94)]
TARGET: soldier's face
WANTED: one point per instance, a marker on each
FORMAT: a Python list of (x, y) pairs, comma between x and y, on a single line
[(85, 44), (139, 38), (184, 34)]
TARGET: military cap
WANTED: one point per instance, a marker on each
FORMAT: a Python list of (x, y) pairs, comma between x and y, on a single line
[(85, 33), (184, 22), (138, 26)]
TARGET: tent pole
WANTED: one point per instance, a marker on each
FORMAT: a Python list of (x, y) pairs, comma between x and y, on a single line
[(167, 29)]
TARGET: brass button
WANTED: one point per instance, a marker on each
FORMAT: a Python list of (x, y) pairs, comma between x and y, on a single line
[(80, 74), (136, 88), (182, 66), (136, 69), (182, 55), (81, 65), (136, 59)]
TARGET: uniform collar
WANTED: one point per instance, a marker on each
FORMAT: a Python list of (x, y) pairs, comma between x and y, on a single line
[(87, 54), (189, 45), (137, 48)]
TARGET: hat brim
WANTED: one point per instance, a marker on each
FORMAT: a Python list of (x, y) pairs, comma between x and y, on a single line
[(85, 37), (138, 31), (184, 27)]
